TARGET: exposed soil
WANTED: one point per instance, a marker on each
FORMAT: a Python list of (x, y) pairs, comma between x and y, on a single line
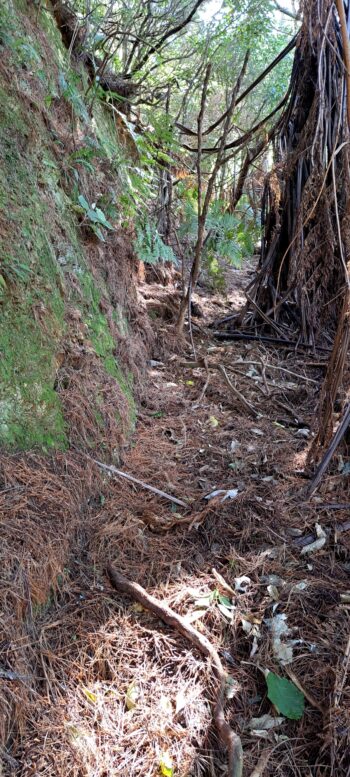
[(76, 656)]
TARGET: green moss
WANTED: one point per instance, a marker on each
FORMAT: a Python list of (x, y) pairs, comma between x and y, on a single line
[(31, 305), (30, 413), (103, 341), (41, 247)]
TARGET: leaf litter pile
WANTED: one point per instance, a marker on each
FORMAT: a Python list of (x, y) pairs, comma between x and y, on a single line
[(93, 683)]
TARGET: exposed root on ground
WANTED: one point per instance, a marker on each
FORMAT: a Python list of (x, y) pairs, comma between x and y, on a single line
[(229, 738)]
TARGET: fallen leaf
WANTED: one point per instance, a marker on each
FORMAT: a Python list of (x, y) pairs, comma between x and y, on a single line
[(192, 617), (137, 607), (285, 696), (166, 764), (302, 433), (204, 601), (317, 544), (230, 493), (231, 687), (265, 722), (132, 695), (227, 613), (272, 591), (90, 695), (282, 647)]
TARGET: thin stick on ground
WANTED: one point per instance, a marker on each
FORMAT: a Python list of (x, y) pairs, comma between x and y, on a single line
[(237, 393), (120, 474), (229, 737)]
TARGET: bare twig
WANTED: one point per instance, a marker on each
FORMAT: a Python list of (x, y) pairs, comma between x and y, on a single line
[(237, 393), (221, 580), (153, 489), (202, 394), (229, 738), (314, 703)]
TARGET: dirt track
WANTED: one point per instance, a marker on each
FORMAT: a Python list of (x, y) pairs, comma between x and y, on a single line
[(88, 654)]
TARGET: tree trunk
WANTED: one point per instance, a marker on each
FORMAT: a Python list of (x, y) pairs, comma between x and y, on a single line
[(303, 280), (305, 222)]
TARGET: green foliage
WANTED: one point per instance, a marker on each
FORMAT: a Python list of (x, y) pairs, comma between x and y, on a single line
[(24, 50), (286, 697), (94, 216), (230, 238), (69, 89), (40, 242), (12, 270), (150, 247)]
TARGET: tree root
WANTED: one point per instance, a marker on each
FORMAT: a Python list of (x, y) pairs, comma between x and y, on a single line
[(229, 738)]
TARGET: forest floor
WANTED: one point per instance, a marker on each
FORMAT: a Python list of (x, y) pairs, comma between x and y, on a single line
[(121, 693)]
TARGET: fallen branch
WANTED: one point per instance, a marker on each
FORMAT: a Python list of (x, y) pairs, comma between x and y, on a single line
[(237, 393), (153, 489), (230, 739), (264, 339)]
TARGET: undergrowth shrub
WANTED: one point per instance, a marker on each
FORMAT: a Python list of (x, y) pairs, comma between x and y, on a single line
[(149, 246), (230, 238)]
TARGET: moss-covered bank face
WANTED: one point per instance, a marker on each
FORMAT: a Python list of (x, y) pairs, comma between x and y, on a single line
[(43, 269)]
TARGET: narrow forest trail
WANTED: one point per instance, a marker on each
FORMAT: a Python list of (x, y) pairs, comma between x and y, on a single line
[(100, 653)]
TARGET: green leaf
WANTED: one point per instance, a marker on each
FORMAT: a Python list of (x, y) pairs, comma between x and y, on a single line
[(3, 283), (285, 696), (88, 166), (98, 232), (102, 218), (225, 601), (83, 202)]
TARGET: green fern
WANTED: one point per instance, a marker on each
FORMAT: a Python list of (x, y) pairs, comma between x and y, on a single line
[(150, 247)]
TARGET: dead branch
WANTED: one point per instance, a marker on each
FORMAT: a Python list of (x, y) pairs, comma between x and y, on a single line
[(287, 11), (201, 222), (252, 86), (273, 340), (153, 489), (229, 738), (169, 33), (237, 393)]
